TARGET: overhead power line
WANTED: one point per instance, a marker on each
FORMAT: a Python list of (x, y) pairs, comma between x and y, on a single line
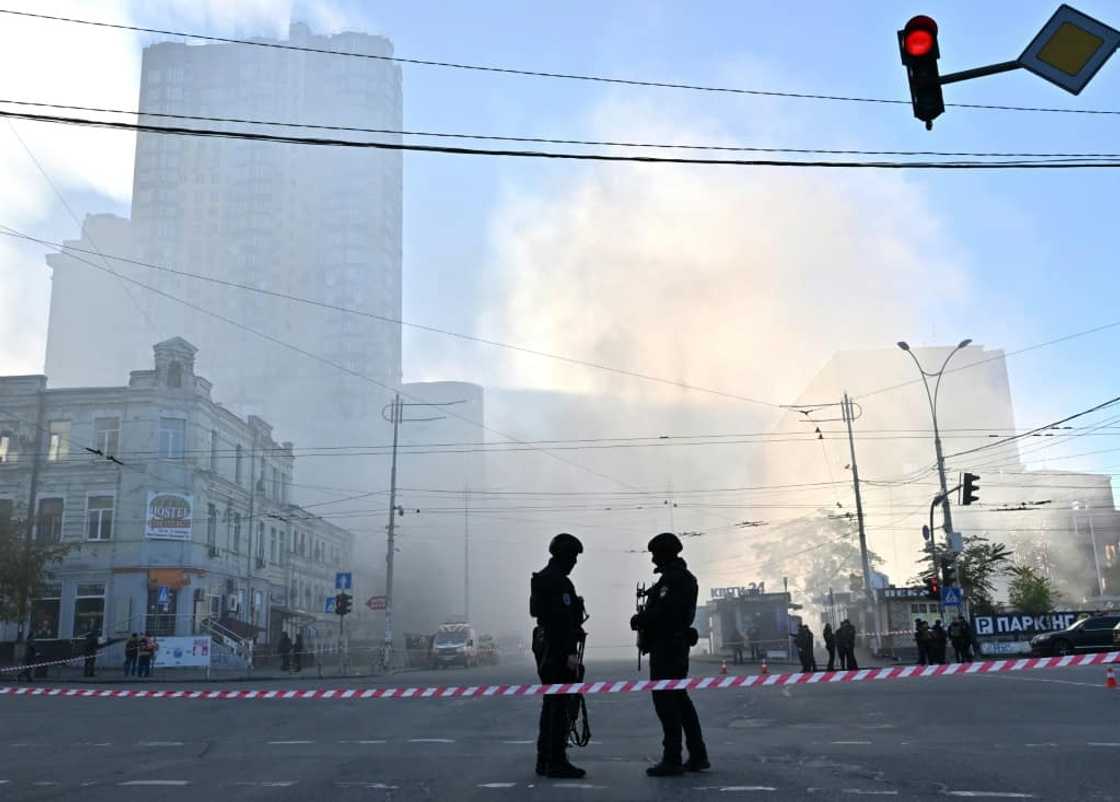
[(563, 141), (561, 155), (396, 321), (528, 73)]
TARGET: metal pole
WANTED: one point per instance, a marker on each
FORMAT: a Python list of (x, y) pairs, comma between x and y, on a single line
[(32, 513), (392, 523), (979, 72), (467, 553), (846, 407), (945, 513)]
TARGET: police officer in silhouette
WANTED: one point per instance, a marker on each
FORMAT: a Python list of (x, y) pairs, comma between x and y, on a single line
[(665, 624), (556, 647)]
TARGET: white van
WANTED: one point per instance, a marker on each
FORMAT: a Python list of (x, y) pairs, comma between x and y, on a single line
[(455, 644)]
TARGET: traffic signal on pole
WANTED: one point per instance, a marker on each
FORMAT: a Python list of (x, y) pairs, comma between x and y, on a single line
[(970, 488), (342, 603), (948, 575), (933, 587), (917, 42)]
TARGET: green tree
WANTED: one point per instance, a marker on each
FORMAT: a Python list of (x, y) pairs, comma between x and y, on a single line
[(818, 552), (22, 570), (1030, 591), (979, 564)]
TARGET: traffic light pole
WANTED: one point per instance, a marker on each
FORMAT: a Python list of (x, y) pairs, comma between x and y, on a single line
[(979, 72), (390, 530)]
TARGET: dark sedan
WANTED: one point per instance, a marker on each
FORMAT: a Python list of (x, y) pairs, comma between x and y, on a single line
[(1092, 634)]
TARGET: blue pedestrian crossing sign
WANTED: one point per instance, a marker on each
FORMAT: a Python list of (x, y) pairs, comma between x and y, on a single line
[(950, 596), (343, 580), (328, 605)]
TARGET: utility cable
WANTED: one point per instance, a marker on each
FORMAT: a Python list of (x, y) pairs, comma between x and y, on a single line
[(560, 155), (560, 141), (536, 73)]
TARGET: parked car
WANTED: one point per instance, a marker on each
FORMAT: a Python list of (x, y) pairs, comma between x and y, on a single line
[(1116, 637), (1091, 634)]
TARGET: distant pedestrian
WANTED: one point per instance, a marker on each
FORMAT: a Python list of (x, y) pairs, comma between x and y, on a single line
[(804, 642), (848, 643), (736, 646), (297, 655), (921, 640), (830, 645), (90, 650), (285, 649), (145, 655), (938, 638), (30, 655), (131, 653), (754, 637)]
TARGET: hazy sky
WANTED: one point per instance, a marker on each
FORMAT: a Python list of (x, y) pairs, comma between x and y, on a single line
[(787, 265)]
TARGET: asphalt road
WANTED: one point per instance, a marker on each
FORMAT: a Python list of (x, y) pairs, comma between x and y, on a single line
[(1048, 735)]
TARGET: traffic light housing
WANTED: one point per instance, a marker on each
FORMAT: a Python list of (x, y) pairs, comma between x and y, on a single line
[(917, 44), (970, 488), (342, 604), (948, 575), (933, 587)]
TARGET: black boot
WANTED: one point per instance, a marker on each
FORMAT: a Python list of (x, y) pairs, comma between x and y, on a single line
[(542, 767), (665, 769), (697, 763), (563, 770)]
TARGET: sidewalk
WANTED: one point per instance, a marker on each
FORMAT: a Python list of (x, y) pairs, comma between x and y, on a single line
[(864, 659)]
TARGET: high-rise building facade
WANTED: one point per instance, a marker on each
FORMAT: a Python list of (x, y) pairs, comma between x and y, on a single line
[(319, 223)]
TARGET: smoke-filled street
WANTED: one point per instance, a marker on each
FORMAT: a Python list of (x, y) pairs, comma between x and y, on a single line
[(1046, 734)]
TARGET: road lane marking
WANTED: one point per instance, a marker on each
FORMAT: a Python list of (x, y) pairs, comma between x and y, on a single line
[(1103, 743), (497, 785), (726, 788), (868, 792), (288, 743), (431, 740), (519, 742), (172, 783), (377, 741), (160, 743), (991, 794), (267, 783), (851, 743), (575, 785), (1053, 681)]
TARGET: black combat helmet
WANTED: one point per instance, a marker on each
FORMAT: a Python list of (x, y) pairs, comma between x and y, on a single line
[(666, 544), (565, 545)]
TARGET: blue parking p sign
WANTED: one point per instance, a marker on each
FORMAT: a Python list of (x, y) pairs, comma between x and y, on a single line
[(951, 597), (343, 580)]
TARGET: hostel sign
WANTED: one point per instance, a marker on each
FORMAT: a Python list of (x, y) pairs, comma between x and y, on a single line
[(168, 516)]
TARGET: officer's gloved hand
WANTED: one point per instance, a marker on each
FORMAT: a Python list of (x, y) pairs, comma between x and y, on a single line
[(634, 622)]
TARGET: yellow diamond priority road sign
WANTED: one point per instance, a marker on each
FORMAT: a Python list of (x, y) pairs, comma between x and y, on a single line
[(1069, 49)]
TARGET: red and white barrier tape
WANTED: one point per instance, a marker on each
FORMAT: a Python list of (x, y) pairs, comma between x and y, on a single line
[(603, 687), (77, 659)]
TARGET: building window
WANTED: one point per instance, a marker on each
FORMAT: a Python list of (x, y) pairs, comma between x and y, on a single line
[(212, 526), (214, 450), (172, 437), (272, 546), (89, 608), (59, 445), (283, 545), (45, 612), (260, 541), (175, 375), (237, 533), (48, 523), (237, 464), (276, 484), (99, 517), (107, 435), (5, 448)]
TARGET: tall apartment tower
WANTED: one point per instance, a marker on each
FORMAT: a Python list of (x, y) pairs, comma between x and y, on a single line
[(322, 223)]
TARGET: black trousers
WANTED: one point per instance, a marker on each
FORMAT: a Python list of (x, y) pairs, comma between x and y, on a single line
[(674, 709), (556, 716), (831, 658)]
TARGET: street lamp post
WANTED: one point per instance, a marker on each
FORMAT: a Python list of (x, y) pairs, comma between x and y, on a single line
[(932, 397)]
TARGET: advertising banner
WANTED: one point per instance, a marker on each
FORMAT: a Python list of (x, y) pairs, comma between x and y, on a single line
[(168, 516), (189, 652)]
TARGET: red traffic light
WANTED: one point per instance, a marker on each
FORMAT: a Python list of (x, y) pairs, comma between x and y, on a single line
[(919, 36)]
